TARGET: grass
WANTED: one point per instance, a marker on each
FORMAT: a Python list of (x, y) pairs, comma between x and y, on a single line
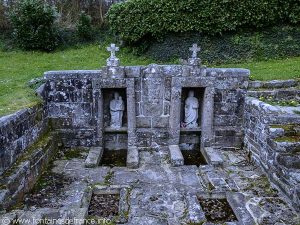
[(272, 69), (17, 68)]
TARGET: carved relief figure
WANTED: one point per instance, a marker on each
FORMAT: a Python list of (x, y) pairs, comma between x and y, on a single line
[(116, 111), (191, 110)]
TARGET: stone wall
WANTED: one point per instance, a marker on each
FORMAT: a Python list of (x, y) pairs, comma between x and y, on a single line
[(75, 102), (18, 131), (22, 176), (269, 138), (70, 103)]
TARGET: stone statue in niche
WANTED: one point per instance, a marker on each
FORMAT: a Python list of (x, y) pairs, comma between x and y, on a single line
[(116, 107), (191, 111)]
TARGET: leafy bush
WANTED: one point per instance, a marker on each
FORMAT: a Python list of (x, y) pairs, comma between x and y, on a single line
[(291, 10), (33, 24), (272, 43), (135, 20), (84, 27)]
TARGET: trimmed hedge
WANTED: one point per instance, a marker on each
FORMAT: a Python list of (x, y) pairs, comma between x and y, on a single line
[(271, 43), (135, 20)]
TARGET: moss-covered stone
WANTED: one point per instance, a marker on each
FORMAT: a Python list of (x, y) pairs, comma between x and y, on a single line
[(297, 112), (290, 130), (42, 142), (288, 139), (73, 153), (108, 178)]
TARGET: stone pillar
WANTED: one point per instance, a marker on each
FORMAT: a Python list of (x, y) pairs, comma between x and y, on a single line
[(131, 112), (207, 133), (175, 112), (100, 118)]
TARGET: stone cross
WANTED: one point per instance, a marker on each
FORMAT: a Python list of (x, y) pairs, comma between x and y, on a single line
[(113, 49), (195, 49), (112, 61)]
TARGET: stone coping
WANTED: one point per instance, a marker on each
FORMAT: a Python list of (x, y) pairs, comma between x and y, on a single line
[(133, 71), (19, 115), (274, 84), (281, 115)]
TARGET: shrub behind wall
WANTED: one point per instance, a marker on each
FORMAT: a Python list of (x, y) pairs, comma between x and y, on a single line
[(138, 19), (271, 43)]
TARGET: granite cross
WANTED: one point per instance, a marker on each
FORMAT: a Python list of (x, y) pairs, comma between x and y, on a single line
[(112, 49), (195, 49)]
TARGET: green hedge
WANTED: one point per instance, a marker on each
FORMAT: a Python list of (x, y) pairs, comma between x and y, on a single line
[(272, 43), (135, 20)]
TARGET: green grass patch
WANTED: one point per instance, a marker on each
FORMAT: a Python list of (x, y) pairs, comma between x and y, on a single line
[(18, 67), (272, 69)]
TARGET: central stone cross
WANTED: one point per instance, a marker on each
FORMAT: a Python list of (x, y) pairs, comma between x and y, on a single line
[(113, 49), (195, 49)]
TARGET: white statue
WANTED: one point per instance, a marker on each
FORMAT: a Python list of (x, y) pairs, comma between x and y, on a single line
[(116, 107), (191, 111)]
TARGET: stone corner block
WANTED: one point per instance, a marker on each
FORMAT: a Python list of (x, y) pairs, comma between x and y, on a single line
[(212, 156), (237, 201), (94, 157), (132, 157), (78, 215), (176, 155)]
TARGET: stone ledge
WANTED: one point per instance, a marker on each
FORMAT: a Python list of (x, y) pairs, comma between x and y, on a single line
[(116, 130), (190, 130), (260, 105), (195, 213), (176, 155), (232, 72), (211, 156), (132, 157), (273, 84), (94, 157), (238, 202), (69, 74)]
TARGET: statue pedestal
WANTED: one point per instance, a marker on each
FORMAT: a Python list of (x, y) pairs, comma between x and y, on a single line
[(115, 130), (194, 61), (113, 61)]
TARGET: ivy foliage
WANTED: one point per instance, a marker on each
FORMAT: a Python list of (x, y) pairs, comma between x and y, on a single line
[(33, 25), (263, 44), (135, 20)]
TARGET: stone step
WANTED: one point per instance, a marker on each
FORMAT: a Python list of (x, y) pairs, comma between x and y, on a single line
[(238, 201), (132, 157), (94, 157), (156, 156), (215, 180), (176, 155), (212, 156)]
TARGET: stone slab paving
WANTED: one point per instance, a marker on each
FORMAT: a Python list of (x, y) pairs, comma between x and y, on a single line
[(164, 195)]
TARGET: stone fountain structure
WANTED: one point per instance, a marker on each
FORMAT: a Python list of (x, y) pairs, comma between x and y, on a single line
[(155, 113)]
